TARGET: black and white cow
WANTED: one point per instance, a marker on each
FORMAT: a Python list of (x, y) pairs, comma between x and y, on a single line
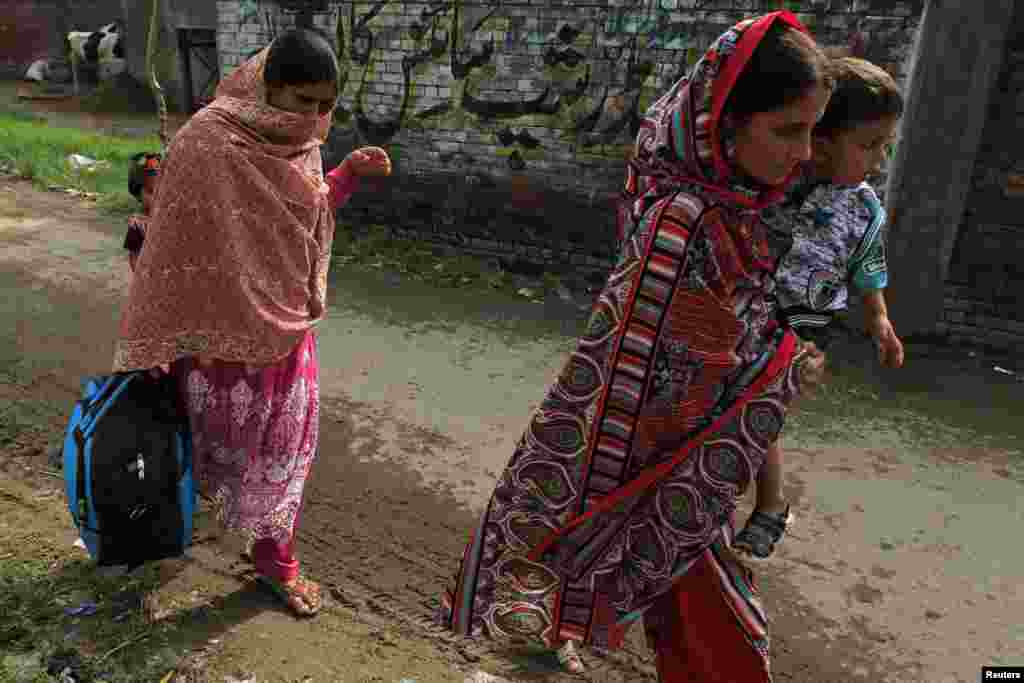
[(95, 47)]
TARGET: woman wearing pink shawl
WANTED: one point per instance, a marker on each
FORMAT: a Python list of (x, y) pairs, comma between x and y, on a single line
[(233, 281)]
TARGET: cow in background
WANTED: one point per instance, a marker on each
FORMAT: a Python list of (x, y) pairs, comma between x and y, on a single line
[(94, 47), (100, 52)]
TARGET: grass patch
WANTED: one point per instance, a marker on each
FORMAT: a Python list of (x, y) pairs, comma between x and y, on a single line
[(58, 610), (378, 250), (39, 152)]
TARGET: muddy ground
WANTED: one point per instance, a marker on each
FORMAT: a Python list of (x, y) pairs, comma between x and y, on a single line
[(905, 564)]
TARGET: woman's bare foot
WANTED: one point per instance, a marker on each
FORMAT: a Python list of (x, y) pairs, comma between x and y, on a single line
[(302, 595), (570, 659)]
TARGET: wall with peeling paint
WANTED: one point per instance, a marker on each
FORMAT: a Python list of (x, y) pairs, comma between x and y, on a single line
[(509, 122)]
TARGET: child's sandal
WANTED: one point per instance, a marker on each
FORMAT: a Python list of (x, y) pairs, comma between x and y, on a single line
[(570, 659), (301, 595), (762, 532)]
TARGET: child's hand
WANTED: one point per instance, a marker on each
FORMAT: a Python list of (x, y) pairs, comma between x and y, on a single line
[(810, 363), (369, 161), (890, 348)]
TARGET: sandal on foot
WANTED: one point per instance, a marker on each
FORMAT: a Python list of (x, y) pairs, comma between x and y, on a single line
[(301, 595), (570, 659), (762, 532)]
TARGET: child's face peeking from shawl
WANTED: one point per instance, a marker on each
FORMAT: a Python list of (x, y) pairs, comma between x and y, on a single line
[(770, 144), (304, 98)]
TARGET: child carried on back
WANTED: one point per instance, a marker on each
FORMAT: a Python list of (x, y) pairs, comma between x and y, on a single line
[(142, 182), (835, 219), (339, 185)]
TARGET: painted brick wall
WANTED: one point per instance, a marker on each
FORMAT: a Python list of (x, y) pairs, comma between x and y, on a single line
[(984, 301), (509, 122)]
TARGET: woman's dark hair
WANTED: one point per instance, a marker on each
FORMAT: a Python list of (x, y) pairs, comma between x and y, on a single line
[(142, 164), (785, 66), (299, 57), (864, 93)]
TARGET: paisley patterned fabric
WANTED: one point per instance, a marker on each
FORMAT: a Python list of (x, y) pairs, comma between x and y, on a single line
[(630, 468)]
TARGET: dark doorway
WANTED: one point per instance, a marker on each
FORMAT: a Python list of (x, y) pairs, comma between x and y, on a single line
[(198, 49)]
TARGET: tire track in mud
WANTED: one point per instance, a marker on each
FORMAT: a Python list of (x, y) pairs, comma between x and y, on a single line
[(386, 547)]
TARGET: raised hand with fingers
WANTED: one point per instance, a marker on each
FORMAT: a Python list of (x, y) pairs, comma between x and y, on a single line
[(369, 162)]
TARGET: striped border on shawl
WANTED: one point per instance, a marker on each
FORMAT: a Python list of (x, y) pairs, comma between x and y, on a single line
[(629, 382), (460, 609), (629, 379), (740, 594)]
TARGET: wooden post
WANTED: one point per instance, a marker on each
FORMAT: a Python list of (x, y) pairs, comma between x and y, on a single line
[(957, 58), (74, 68), (158, 91)]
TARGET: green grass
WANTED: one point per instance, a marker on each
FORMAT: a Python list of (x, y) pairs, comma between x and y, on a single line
[(39, 152), (41, 579), (418, 261), (115, 644)]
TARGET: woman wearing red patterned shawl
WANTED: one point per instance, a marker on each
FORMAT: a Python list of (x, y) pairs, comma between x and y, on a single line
[(618, 502), (232, 281)]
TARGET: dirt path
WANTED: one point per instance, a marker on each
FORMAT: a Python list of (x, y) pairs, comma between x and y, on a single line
[(903, 566)]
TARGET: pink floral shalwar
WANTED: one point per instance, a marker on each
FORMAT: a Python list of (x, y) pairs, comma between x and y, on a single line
[(255, 431)]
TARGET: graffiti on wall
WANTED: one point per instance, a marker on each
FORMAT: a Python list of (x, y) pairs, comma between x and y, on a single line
[(544, 86), (574, 82), (584, 85)]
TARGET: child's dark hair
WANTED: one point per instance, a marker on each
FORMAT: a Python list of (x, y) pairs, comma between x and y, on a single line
[(786, 65), (864, 93), (142, 165), (298, 57)]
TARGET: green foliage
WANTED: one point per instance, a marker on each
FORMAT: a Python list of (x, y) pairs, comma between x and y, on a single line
[(39, 152)]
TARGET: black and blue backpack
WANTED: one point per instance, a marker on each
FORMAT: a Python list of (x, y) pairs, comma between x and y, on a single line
[(128, 469)]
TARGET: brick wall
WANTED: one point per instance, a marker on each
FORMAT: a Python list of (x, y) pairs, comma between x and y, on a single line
[(508, 122), (986, 275)]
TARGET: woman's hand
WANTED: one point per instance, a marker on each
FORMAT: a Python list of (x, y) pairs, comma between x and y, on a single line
[(369, 162)]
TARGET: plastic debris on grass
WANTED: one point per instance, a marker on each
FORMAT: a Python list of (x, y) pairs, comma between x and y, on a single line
[(86, 609), (484, 677)]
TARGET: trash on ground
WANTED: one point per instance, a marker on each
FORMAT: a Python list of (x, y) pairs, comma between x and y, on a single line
[(126, 604), (80, 161), (527, 292), (1004, 371), (86, 609), (66, 666), (484, 677), (80, 544)]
